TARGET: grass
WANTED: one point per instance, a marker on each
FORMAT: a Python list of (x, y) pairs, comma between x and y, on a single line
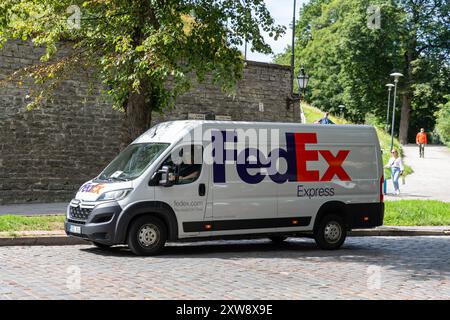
[(417, 213), (397, 213), (312, 114), (13, 223)]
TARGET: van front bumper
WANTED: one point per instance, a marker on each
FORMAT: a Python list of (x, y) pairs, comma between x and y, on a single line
[(100, 225)]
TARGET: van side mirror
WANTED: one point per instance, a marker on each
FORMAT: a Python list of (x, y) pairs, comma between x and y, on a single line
[(166, 176)]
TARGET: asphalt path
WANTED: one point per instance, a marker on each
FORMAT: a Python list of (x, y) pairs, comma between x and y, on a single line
[(431, 177)]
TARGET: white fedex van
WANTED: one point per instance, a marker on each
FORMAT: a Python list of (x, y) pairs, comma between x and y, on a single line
[(211, 179)]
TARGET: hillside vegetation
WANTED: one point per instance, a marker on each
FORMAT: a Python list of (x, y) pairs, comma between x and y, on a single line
[(312, 114)]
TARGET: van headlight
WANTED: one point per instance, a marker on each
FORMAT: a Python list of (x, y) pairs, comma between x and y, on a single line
[(114, 195)]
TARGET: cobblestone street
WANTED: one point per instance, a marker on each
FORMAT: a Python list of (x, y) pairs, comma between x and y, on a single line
[(366, 268)]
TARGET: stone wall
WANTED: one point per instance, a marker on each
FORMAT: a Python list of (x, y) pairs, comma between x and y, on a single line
[(260, 96), (47, 153)]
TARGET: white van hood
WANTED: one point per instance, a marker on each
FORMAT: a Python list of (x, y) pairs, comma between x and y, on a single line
[(90, 191), (167, 132)]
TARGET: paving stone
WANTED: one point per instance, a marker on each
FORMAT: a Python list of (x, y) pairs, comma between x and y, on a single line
[(365, 268)]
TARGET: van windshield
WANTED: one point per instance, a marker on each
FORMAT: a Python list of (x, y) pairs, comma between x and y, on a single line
[(132, 161)]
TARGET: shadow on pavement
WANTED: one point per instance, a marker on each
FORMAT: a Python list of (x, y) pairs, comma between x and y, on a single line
[(418, 256)]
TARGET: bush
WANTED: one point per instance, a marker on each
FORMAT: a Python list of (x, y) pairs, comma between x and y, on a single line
[(443, 121)]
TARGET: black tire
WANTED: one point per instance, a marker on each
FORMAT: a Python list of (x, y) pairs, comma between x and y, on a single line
[(331, 232), (278, 239), (147, 236), (101, 245)]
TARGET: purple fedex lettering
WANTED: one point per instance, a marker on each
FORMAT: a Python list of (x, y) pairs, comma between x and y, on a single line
[(90, 187), (295, 155), (86, 187), (222, 154), (242, 168), (289, 156)]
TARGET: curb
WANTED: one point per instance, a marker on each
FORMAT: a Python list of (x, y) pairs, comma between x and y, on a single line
[(63, 240), (397, 233), (41, 241)]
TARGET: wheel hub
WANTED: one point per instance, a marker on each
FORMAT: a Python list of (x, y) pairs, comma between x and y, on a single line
[(333, 232), (148, 235)]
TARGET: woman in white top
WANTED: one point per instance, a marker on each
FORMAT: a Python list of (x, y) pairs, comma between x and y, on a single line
[(396, 165)]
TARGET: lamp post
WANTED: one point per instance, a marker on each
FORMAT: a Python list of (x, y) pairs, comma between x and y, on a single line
[(389, 85), (292, 98), (293, 50), (341, 108), (396, 75)]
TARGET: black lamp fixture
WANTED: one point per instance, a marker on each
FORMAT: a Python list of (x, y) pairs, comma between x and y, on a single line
[(302, 81), (341, 109)]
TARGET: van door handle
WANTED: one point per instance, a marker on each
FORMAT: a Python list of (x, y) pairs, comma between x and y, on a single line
[(201, 189)]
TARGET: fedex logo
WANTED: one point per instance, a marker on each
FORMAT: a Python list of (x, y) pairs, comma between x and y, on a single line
[(92, 187), (296, 156)]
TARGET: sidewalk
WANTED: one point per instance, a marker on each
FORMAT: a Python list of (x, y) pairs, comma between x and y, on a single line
[(403, 231), (431, 177), (30, 209)]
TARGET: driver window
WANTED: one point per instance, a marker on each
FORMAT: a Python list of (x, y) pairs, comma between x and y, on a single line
[(191, 166)]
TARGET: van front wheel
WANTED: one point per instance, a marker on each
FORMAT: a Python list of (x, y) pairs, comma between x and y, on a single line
[(331, 232), (147, 236)]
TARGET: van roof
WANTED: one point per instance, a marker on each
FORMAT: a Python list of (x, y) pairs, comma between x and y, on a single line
[(173, 131)]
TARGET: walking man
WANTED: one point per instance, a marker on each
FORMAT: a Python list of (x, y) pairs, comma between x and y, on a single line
[(421, 140)]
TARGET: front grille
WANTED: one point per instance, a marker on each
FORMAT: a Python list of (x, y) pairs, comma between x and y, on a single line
[(76, 221), (79, 213)]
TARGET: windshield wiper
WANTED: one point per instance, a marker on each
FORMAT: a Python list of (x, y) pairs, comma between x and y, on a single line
[(117, 179)]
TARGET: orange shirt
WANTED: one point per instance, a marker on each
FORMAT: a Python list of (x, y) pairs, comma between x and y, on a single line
[(421, 138)]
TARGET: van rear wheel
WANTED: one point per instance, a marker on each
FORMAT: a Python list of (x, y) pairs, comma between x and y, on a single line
[(278, 239), (331, 232), (147, 236)]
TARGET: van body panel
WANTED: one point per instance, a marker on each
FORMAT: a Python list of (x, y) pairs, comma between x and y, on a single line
[(283, 186)]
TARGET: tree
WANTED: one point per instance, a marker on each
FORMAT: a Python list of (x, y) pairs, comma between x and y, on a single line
[(443, 121), (349, 61), (344, 57), (426, 38), (146, 52)]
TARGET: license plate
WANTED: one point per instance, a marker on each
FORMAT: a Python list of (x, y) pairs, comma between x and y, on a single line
[(75, 229)]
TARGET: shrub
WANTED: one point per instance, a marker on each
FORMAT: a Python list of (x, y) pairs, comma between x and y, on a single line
[(443, 121)]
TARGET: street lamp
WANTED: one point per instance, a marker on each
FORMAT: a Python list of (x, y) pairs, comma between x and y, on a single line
[(396, 75), (302, 82), (341, 108), (389, 85)]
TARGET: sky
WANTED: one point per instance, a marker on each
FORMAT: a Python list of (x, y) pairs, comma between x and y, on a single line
[(281, 11)]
